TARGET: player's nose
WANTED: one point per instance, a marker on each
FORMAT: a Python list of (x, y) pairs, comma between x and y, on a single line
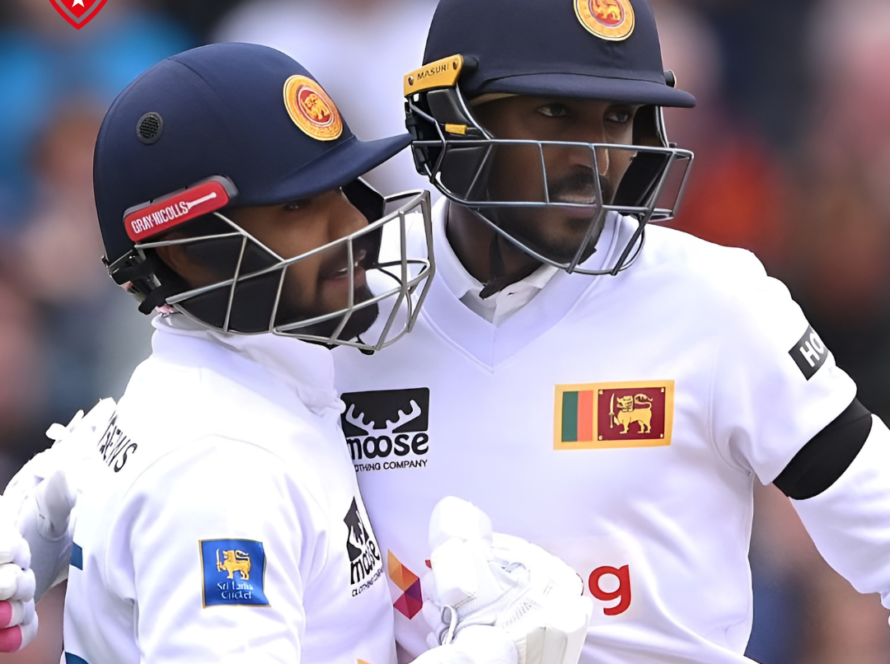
[(344, 218)]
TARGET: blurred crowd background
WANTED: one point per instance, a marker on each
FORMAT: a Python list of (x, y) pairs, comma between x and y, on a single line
[(792, 144)]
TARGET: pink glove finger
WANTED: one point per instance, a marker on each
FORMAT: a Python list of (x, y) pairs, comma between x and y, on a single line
[(11, 639), (16, 613)]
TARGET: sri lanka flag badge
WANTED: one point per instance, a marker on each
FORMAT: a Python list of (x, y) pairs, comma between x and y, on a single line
[(613, 415), (78, 12)]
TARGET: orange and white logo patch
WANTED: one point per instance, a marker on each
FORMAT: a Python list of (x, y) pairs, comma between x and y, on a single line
[(608, 19), (311, 109)]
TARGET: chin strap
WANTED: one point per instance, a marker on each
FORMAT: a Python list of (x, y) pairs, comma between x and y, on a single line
[(498, 280)]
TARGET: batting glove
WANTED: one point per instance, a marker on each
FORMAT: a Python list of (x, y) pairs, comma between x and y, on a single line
[(44, 492), (480, 578), (18, 620)]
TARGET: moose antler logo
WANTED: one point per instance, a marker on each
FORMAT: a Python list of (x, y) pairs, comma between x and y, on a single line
[(390, 427), (388, 422)]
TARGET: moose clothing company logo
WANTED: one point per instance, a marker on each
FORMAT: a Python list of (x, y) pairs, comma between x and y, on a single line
[(387, 430), (78, 12), (365, 564), (610, 415), (234, 572)]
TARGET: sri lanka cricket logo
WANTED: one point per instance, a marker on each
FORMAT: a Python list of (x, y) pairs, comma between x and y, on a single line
[(613, 20), (311, 109), (234, 561), (610, 415), (220, 559)]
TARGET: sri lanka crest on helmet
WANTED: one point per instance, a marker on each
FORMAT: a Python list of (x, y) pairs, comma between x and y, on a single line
[(613, 20), (311, 109)]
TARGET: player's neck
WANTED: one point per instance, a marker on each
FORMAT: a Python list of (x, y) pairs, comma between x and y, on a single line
[(471, 239)]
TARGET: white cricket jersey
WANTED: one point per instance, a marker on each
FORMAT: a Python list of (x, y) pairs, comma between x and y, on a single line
[(225, 524), (619, 422)]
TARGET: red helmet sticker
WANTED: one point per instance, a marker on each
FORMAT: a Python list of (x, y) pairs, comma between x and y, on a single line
[(166, 213)]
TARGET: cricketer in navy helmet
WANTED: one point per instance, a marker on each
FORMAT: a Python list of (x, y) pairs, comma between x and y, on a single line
[(602, 386), (218, 518)]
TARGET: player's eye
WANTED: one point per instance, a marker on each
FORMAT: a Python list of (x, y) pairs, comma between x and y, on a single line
[(620, 115), (554, 110)]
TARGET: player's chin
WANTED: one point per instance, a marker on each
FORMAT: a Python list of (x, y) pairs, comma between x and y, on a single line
[(556, 237), (359, 318)]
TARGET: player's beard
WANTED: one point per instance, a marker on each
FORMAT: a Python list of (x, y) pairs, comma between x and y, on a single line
[(359, 318), (550, 231), (359, 321)]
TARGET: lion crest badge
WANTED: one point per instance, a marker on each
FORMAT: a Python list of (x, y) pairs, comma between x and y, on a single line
[(612, 20), (312, 109)]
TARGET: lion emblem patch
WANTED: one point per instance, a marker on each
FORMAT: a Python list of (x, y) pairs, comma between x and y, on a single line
[(311, 109), (613, 20)]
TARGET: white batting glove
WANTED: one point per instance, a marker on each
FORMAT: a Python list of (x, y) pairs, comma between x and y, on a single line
[(44, 492), (480, 578), (18, 620)]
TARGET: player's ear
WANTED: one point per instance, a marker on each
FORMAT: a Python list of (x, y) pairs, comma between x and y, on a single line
[(179, 259)]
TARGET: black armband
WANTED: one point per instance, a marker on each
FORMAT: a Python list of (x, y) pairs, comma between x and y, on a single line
[(824, 459)]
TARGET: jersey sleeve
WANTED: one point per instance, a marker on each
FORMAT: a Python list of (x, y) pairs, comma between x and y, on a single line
[(775, 384), (219, 548)]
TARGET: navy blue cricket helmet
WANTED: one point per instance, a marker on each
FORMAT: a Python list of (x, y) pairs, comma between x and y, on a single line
[(208, 130), (482, 50)]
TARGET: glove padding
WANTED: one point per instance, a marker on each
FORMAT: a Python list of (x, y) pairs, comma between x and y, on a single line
[(18, 619), (484, 578), (44, 492), (474, 645)]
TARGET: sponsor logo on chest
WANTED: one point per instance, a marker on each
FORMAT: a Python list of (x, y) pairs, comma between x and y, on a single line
[(387, 429), (365, 563), (613, 415)]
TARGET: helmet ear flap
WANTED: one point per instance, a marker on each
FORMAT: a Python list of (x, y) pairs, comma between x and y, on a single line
[(366, 200), (649, 127)]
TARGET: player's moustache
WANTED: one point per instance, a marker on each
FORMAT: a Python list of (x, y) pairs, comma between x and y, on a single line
[(365, 250), (580, 185)]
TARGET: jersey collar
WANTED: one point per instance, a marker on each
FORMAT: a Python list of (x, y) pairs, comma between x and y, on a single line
[(465, 287), (306, 369), (488, 343)]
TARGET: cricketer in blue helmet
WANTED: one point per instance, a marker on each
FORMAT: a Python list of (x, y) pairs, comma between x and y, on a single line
[(218, 518), (605, 387)]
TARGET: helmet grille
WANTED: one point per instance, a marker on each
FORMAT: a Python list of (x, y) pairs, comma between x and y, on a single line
[(149, 128)]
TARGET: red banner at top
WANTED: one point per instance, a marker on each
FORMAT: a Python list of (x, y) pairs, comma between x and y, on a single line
[(78, 12)]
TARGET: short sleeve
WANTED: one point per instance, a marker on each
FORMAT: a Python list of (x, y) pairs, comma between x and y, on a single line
[(217, 546), (776, 385)]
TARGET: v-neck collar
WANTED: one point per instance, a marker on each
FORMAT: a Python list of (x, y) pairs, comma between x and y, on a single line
[(491, 344)]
